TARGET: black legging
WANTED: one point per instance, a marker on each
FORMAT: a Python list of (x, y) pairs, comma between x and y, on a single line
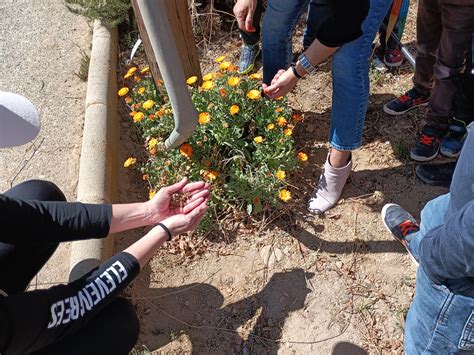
[(113, 331)]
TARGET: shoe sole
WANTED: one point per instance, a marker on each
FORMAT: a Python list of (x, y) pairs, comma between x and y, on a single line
[(423, 159), (392, 65), (448, 154), (383, 213), (398, 113)]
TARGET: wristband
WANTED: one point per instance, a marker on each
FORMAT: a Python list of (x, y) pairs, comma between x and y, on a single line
[(307, 66), (165, 228), (293, 68)]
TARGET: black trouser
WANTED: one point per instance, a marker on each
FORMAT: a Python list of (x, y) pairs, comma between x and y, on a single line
[(113, 331), (251, 38)]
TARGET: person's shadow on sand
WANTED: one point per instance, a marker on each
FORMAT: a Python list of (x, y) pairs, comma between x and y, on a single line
[(198, 310)]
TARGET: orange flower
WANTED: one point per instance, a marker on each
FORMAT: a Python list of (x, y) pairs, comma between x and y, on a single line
[(254, 95), (129, 162), (270, 126), (128, 99), (207, 163), (191, 80), (139, 116), (225, 65), (279, 109), (234, 109), (145, 177), (137, 78), (151, 116), (302, 156), (123, 91), (258, 139), (233, 81), (279, 98), (211, 175), (208, 85), (186, 150), (223, 92), (281, 121), (284, 195), (297, 117), (288, 132), (208, 77), (151, 194), (159, 113), (204, 118), (280, 175), (132, 113), (255, 200)]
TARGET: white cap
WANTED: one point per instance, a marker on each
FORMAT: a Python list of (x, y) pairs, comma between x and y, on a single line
[(19, 120)]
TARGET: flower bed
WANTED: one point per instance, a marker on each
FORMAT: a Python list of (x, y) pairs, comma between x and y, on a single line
[(243, 144)]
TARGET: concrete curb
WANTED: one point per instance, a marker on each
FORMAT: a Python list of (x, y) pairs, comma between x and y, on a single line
[(97, 170)]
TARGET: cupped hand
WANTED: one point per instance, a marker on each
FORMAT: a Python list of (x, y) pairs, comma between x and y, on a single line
[(283, 82), (160, 205), (244, 11), (186, 221)]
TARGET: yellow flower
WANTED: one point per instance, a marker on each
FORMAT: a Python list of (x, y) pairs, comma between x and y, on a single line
[(132, 70), (279, 109), (204, 118), (288, 132), (208, 85), (234, 109), (123, 91), (145, 70), (128, 75), (148, 104), (220, 59), (138, 117), (270, 126), (297, 117), (258, 139), (284, 195), (152, 143), (280, 175), (151, 194), (233, 81), (191, 80), (141, 90), (208, 77), (225, 65), (256, 76), (211, 175), (129, 162), (186, 150), (302, 156), (254, 95), (167, 111), (281, 121)]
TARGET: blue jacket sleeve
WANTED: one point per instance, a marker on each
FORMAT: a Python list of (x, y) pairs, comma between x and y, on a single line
[(26, 221), (446, 252), (32, 320)]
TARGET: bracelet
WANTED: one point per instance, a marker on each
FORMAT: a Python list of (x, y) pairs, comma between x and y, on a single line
[(165, 228), (307, 66), (293, 69)]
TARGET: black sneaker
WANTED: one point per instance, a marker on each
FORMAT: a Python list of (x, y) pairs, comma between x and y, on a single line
[(400, 224), (427, 147), (411, 99), (436, 174)]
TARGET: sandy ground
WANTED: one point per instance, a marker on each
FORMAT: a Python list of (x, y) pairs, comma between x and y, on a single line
[(39, 53)]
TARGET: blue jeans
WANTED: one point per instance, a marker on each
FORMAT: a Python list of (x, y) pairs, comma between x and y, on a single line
[(441, 317), (279, 22), (350, 82)]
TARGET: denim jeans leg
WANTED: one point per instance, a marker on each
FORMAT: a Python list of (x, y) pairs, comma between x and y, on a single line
[(350, 74), (439, 321), (279, 22), (432, 216)]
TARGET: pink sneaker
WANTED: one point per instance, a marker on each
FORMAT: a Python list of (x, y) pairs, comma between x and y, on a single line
[(393, 58)]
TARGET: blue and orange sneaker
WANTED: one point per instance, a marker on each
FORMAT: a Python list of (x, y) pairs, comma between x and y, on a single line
[(411, 99), (401, 225), (451, 145)]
